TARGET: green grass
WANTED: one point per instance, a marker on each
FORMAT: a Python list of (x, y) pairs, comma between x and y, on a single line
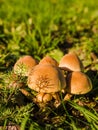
[(51, 27)]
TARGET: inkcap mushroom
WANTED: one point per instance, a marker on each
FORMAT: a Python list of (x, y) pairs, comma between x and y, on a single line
[(48, 60), (77, 83), (47, 81), (71, 62), (24, 64)]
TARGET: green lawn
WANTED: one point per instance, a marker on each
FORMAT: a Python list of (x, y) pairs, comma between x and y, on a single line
[(48, 27)]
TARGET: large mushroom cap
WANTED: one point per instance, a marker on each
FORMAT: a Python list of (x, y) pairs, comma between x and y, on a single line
[(46, 79), (71, 62), (78, 83), (48, 60), (24, 65)]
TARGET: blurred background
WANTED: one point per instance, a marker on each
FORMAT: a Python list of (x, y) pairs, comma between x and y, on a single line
[(50, 27)]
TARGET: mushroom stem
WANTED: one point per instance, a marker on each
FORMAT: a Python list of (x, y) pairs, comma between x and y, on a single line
[(47, 97), (39, 97), (27, 94), (67, 97), (57, 100)]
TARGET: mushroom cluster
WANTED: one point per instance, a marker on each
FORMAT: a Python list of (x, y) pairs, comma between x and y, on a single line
[(48, 78), (77, 81)]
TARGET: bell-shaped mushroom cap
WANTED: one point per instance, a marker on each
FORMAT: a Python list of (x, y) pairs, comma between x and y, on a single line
[(46, 79), (78, 83), (48, 60), (24, 65), (71, 62)]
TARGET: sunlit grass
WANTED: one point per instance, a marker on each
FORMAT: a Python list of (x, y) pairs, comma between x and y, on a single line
[(90, 115)]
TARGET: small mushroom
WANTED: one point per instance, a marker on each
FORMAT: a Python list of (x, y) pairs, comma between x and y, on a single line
[(77, 83), (47, 97), (71, 62), (41, 97), (24, 65), (48, 60), (46, 80)]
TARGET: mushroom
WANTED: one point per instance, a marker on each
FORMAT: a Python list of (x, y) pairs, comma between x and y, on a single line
[(77, 83), (49, 60), (24, 65), (47, 81), (41, 97), (71, 62)]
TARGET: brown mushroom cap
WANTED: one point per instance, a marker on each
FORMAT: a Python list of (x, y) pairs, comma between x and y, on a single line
[(46, 79), (48, 60), (24, 65), (78, 83), (71, 62)]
